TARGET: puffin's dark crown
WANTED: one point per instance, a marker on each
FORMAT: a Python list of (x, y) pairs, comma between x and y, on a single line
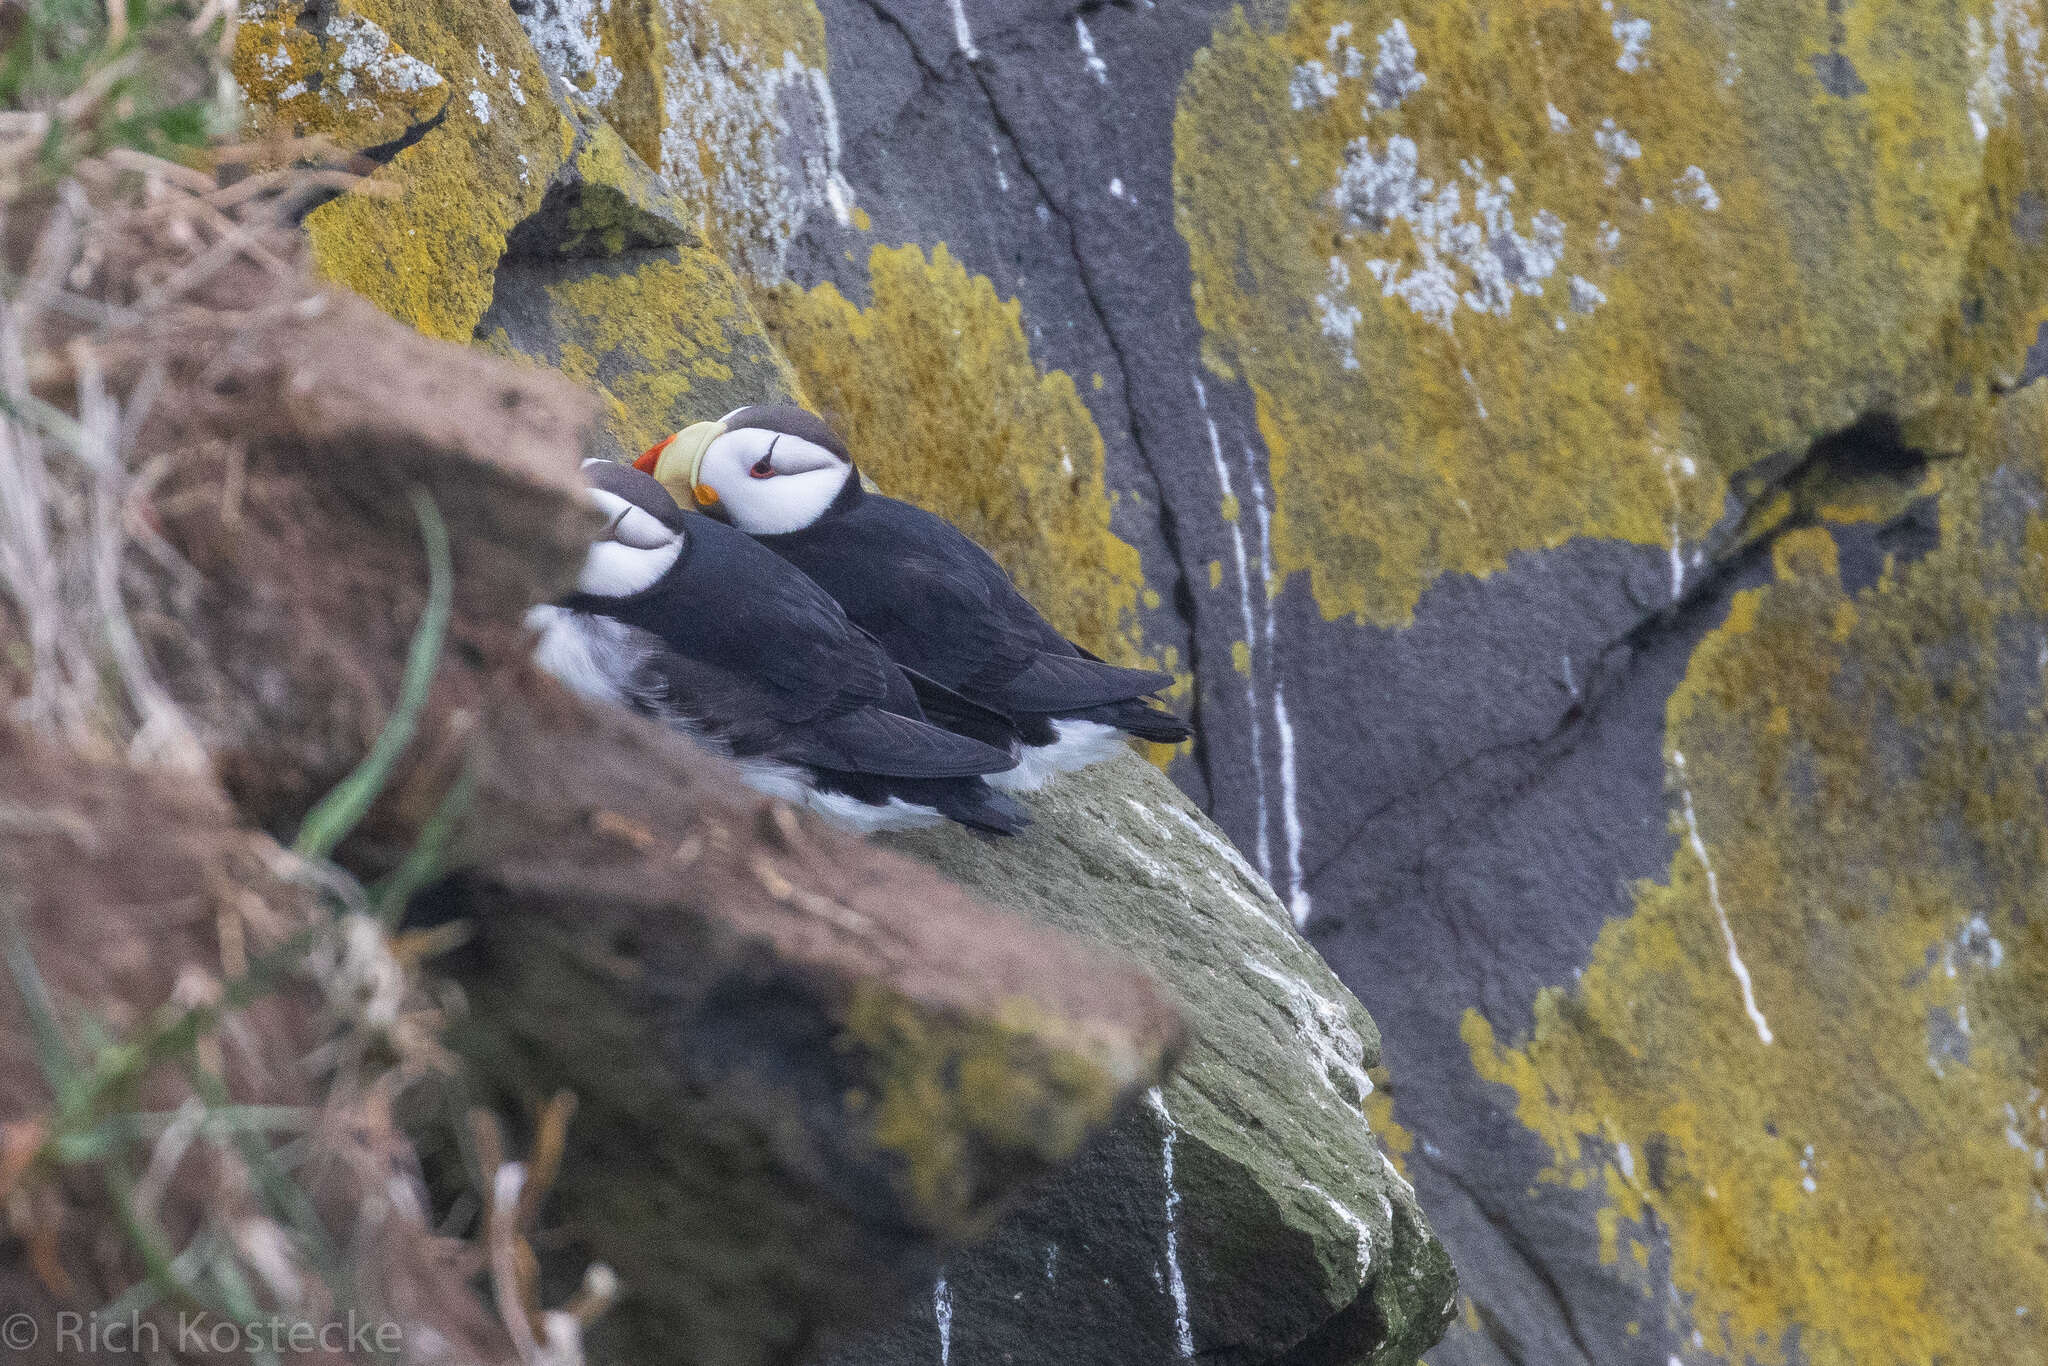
[(643, 491), (790, 420)]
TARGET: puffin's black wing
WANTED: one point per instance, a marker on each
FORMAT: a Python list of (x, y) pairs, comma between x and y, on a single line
[(772, 666), (737, 713), (944, 707), (945, 608), (936, 612), (1063, 683)]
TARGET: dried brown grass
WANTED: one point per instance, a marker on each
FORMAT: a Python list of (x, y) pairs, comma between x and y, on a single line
[(208, 1039)]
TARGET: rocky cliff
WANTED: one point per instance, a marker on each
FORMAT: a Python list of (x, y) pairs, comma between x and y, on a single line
[(1244, 1208), (809, 1078), (1575, 455)]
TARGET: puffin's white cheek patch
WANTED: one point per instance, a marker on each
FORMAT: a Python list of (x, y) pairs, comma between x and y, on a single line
[(613, 570), (737, 450), (789, 502), (639, 530)]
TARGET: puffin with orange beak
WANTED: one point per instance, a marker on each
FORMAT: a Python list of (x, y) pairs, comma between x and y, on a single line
[(937, 601), (684, 619)]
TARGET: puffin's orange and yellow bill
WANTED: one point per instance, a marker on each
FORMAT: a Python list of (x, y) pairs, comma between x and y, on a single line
[(651, 457)]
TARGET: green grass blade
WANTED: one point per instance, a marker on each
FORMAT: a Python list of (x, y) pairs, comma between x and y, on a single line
[(287, 1198), (52, 1054), (428, 858), (336, 814), (89, 1145)]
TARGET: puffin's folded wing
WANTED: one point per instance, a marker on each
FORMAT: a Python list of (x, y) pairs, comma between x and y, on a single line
[(743, 716), (874, 741), (1064, 683), (948, 709)]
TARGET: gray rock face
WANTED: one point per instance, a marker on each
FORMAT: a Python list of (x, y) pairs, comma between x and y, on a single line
[(1245, 1213), (1462, 808)]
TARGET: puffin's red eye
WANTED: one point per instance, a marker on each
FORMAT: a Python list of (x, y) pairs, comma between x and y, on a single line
[(764, 467)]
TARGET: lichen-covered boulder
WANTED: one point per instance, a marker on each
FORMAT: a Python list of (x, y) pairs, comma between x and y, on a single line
[(1247, 1212)]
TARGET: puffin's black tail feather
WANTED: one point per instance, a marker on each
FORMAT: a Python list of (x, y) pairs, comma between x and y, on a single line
[(1139, 717), (946, 708), (984, 807), (977, 805)]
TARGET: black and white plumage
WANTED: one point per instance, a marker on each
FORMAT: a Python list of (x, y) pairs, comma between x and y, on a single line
[(939, 602), (693, 622)]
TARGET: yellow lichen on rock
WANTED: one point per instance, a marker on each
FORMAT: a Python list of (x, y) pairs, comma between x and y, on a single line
[(1861, 841), (427, 253), (348, 80), (955, 1105), (933, 387), (667, 338), (1501, 275)]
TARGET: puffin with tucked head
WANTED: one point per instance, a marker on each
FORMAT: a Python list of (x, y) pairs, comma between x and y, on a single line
[(685, 619), (940, 603)]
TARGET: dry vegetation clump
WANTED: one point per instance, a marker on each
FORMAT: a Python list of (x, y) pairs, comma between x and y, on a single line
[(206, 1035)]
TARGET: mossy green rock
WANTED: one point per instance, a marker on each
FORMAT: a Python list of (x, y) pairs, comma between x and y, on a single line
[(1247, 1211)]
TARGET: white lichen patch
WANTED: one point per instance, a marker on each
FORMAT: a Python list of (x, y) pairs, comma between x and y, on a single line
[(565, 35), (1473, 258), (369, 53), (1340, 317), (1315, 82), (1558, 122), (752, 140), (1395, 75), (2015, 30), (480, 105), (1633, 37), (368, 67), (1343, 56), (1614, 140), (1378, 189), (1312, 85), (1585, 295), (1694, 186)]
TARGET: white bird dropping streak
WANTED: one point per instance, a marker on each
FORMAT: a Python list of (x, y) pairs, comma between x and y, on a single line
[(1699, 849), (1677, 555), (1290, 806), (963, 35), (1290, 811), (1183, 1329), (942, 1312), (1358, 1227), (1096, 66), (1244, 602)]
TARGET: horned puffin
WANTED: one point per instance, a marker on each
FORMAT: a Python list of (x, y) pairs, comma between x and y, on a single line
[(936, 600), (685, 619)]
